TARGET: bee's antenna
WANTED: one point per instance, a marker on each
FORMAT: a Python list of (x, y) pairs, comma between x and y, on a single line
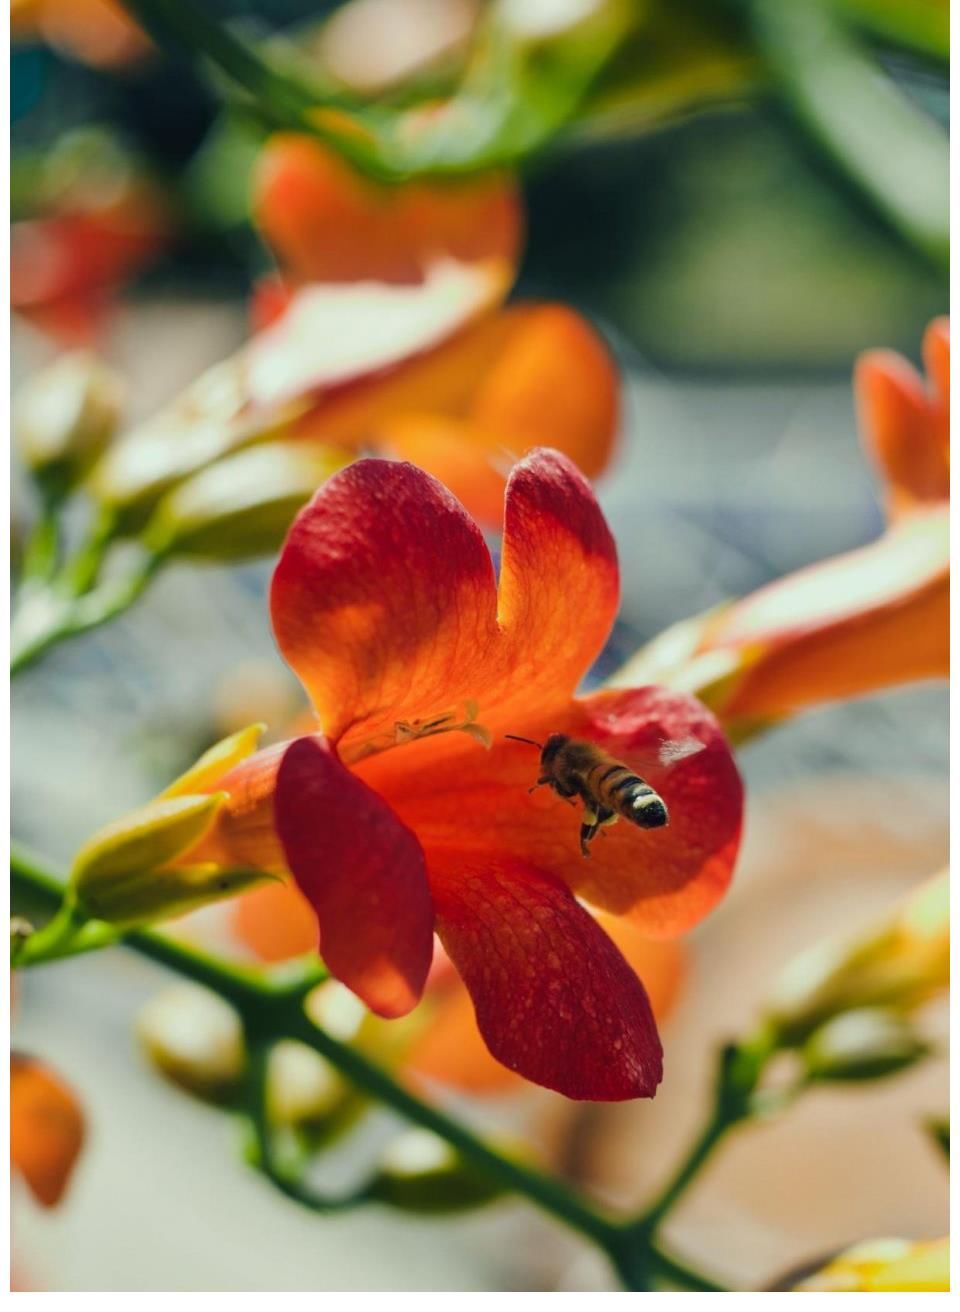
[(517, 739)]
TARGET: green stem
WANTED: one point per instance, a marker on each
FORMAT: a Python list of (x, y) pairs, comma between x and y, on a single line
[(551, 1194), (42, 549), (741, 1067), (82, 572), (679, 1273), (276, 1010), (263, 1156)]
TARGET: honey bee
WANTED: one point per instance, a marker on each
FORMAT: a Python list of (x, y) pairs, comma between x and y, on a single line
[(574, 767)]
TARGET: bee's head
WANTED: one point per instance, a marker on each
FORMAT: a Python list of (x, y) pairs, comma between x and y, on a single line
[(553, 745)]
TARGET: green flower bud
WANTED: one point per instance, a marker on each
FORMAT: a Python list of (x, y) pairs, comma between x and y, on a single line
[(862, 1045), (242, 506), (900, 966), (420, 1172), (122, 875), (196, 1040), (216, 762), (303, 1089), (64, 417), (307, 1099)]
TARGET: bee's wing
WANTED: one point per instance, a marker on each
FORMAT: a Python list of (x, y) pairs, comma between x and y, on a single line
[(673, 750), (665, 754)]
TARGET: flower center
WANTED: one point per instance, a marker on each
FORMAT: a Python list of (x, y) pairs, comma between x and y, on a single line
[(408, 731)]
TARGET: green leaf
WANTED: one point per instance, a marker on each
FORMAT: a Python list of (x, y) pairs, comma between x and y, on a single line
[(922, 26), (890, 150), (684, 58)]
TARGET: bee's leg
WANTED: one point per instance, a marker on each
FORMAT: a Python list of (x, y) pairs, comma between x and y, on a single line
[(539, 784), (606, 818), (588, 830)]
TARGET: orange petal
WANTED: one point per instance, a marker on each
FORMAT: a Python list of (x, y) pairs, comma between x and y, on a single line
[(559, 582), (936, 359), (98, 32), (452, 1051), (870, 619), (276, 922), (46, 1129), (328, 224), (555, 384), (439, 381), (547, 380), (331, 336), (383, 600), (243, 832), (464, 459), (898, 428)]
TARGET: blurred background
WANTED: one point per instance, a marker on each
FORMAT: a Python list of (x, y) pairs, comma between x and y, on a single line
[(736, 272)]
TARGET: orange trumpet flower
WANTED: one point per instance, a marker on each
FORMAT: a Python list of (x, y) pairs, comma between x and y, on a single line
[(395, 821), (872, 618), (512, 380), (46, 1128)]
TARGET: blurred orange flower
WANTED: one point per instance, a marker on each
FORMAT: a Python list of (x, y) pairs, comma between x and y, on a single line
[(96, 220), (98, 32), (513, 379), (46, 1128), (873, 618)]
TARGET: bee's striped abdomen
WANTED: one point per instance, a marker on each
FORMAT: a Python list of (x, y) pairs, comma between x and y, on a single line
[(618, 789)]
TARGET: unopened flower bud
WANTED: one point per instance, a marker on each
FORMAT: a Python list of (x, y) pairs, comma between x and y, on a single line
[(420, 1172), (65, 416), (901, 965), (885, 1266), (862, 1045), (123, 876), (242, 506), (216, 762), (196, 1039), (303, 1089)]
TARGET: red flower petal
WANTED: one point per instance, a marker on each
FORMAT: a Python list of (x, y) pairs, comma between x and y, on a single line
[(363, 873), (383, 600), (665, 880), (559, 581), (451, 1050), (555, 1000)]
